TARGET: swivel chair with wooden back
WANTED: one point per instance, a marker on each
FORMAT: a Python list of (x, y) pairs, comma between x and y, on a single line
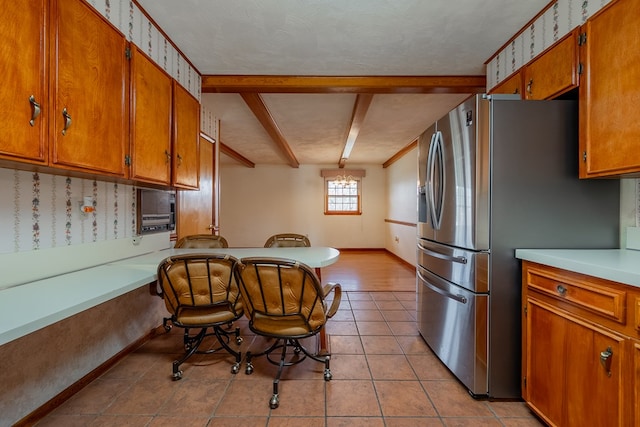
[(200, 292), (202, 241), (286, 240), (285, 301)]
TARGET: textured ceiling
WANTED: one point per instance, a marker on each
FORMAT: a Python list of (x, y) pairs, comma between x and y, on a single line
[(336, 38)]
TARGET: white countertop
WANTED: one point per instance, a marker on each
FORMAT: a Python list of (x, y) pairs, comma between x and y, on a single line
[(40, 303), (618, 265)]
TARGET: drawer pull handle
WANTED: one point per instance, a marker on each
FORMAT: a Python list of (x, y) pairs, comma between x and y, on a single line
[(562, 291), (605, 360)]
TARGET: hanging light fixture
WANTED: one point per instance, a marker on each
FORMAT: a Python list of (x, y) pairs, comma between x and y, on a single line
[(344, 180)]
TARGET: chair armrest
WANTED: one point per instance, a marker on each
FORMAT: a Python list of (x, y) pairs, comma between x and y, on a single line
[(337, 291)]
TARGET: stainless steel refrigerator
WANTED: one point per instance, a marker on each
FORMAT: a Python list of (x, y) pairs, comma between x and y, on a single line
[(496, 174)]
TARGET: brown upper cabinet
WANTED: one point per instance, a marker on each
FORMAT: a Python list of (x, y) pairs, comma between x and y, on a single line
[(23, 50), (82, 99), (555, 71), (549, 75), (511, 85), (186, 138), (610, 92), (89, 121), (151, 103)]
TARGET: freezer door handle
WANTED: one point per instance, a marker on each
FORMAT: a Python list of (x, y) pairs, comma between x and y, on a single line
[(457, 297), (458, 259)]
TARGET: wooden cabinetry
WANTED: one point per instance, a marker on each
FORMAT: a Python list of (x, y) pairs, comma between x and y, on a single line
[(512, 85), (609, 92), (578, 341), (549, 75), (186, 134), (151, 104), (23, 128), (89, 111), (555, 71)]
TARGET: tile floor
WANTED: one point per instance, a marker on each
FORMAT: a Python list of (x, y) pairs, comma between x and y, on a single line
[(383, 375)]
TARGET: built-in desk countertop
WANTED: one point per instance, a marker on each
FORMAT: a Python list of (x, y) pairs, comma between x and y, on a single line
[(35, 305), (618, 265)]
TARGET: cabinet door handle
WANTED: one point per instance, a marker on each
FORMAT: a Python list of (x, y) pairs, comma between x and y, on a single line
[(36, 110), (168, 156), (605, 360), (529, 86), (67, 120), (179, 159), (562, 291)]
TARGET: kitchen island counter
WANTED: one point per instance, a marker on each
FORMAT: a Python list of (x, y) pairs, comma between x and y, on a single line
[(618, 265)]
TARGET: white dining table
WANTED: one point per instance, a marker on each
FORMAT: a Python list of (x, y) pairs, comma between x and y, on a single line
[(313, 256)]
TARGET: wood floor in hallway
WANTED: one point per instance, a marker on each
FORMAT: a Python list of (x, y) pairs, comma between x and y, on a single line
[(371, 271)]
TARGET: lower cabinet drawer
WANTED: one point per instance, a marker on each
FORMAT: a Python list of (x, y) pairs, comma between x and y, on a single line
[(579, 291)]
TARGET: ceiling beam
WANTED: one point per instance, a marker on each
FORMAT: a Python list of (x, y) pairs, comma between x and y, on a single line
[(400, 154), (360, 108), (260, 110), (225, 149), (343, 84)]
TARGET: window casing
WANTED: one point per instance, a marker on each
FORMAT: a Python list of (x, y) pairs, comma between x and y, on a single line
[(343, 198)]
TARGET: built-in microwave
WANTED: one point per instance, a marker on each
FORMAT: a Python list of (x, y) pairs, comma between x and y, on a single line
[(156, 211)]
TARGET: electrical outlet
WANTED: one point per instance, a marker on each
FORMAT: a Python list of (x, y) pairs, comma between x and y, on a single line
[(136, 240)]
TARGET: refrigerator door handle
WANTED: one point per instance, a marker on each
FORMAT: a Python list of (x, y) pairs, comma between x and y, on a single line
[(458, 259), (435, 164), (457, 297), (429, 183)]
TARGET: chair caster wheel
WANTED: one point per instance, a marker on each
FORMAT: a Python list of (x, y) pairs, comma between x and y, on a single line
[(167, 328), (274, 402), (239, 340), (235, 368), (177, 375), (249, 369), (327, 375)]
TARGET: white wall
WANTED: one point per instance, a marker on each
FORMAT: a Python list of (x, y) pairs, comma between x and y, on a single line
[(268, 199), (401, 205)]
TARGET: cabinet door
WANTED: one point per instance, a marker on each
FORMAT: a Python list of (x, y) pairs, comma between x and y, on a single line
[(186, 134), (594, 376), (555, 71), (150, 120), (24, 91), (545, 362), (90, 120), (574, 373), (609, 92), (512, 85)]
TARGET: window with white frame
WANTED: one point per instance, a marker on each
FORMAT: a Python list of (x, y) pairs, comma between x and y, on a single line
[(343, 194)]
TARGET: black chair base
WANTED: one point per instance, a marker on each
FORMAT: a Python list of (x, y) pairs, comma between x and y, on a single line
[(299, 355), (192, 343)]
